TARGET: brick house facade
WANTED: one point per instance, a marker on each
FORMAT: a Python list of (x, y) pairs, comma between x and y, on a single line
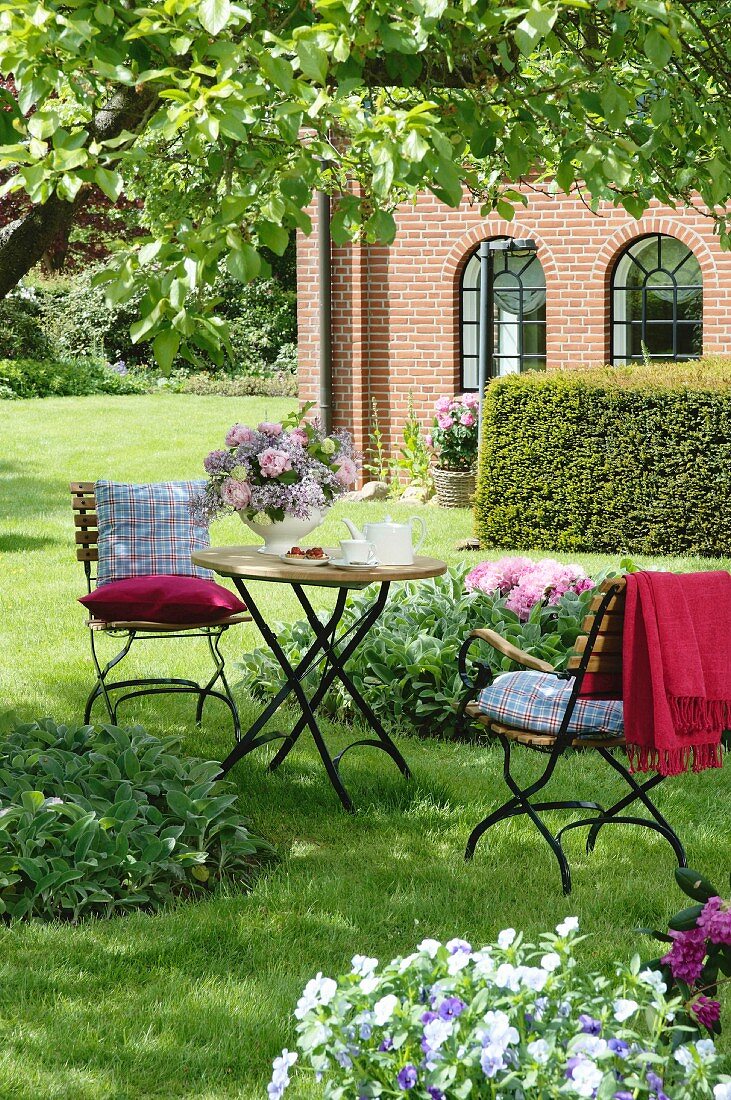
[(396, 311)]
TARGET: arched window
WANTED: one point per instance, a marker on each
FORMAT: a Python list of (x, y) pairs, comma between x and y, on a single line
[(519, 316), (657, 301)]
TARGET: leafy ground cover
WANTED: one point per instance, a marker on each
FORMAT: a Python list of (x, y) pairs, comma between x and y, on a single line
[(196, 1000)]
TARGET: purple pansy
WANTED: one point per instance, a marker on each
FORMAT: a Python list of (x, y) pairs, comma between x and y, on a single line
[(407, 1077)]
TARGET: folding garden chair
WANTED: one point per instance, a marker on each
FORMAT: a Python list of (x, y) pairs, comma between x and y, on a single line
[(212, 610), (557, 712)]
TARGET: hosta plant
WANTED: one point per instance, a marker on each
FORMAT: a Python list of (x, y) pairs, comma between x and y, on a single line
[(98, 821), (412, 650), (698, 959), (510, 1021)]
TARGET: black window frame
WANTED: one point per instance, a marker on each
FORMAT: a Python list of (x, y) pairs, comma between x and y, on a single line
[(629, 357), (524, 358)]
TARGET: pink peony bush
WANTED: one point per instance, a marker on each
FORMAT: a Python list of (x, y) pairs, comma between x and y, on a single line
[(524, 582)]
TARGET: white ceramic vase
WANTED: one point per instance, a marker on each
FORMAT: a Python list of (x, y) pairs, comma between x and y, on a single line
[(281, 536)]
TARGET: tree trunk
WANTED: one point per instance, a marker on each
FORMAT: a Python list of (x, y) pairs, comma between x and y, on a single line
[(24, 242)]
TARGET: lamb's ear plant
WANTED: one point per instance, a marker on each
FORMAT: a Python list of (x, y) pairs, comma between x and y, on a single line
[(100, 821)]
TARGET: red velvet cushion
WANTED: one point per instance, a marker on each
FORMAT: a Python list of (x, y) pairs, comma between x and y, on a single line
[(163, 598)]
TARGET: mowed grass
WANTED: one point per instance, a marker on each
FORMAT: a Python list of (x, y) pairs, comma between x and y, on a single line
[(196, 1001)]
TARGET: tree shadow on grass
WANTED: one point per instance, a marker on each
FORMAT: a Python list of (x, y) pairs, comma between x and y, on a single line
[(13, 544), (28, 496)]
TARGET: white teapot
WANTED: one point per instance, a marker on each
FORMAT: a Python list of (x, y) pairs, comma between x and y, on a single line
[(392, 542)]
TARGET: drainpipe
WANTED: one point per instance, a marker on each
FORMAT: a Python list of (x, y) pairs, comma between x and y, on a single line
[(324, 272)]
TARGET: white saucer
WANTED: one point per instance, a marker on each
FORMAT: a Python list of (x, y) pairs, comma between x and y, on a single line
[(296, 560), (341, 563)]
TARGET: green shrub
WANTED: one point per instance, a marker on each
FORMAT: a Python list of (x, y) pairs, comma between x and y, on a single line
[(22, 329), (632, 459), (74, 378), (102, 821), (406, 668), (244, 385)]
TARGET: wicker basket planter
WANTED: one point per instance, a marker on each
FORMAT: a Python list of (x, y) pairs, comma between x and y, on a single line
[(455, 488)]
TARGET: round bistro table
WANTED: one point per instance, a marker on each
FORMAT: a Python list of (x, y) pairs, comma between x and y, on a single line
[(243, 564)]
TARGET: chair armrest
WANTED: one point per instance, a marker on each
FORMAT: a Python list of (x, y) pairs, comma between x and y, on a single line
[(509, 650)]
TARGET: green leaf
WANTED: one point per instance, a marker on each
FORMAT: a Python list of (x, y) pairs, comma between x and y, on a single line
[(32, 800), (658, 48), (213, 15), (694, 884), (273, 236), (685, 919), (165, 348), (313, 61), (244, 263), (110, 182)]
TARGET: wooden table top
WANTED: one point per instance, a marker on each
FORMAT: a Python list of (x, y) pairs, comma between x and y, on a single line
[(247, 562)]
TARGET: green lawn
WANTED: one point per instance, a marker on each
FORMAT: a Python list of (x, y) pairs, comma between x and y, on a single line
[(195, 1002)]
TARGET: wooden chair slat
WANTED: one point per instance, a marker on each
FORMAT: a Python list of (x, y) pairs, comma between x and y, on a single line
[(610, 624), (82, 487), (86, 519), (87, 554), (615, 603), (83, 504), (603, 643), (87, 538), (600, 663)]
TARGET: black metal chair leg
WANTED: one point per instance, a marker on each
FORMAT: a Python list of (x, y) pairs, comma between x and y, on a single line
[(100, 688), (214, 638)]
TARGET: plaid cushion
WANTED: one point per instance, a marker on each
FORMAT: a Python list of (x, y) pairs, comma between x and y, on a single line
[(147, 529), (537, 701)]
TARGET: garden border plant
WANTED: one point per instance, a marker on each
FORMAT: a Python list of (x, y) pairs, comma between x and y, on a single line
[(100, 821)]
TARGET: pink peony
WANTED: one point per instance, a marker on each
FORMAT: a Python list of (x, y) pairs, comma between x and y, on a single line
[(299, 435), (236, 493), (443, 405), (467, 419), (497, 576), (524, 583), (444, 421), (267, 428), (428, 439), (273, 462), (239, 434), (347, 471), (471, 400)]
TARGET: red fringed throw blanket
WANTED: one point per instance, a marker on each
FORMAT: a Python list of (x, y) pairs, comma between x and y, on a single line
[(676, 660)]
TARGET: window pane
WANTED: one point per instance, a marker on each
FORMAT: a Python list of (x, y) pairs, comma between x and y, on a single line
[(659, 339), (470, 339), (690, 304), (678, 259), (506, 301), (534, 339), (471, 376), (659, 306), (690, 339), (470, 305)]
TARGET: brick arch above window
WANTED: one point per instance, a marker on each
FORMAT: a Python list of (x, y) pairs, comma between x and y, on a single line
[(617, 242), (465, 245)]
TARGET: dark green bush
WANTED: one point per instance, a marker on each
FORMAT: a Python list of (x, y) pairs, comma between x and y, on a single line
[(74, 378), (280, 384), (634, 459), (407, 666), (22, 329), (102, 821)]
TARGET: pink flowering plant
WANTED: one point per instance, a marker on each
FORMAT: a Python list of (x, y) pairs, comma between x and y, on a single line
[(277, 469), (453, 437), (512, 1020), (524, 583), (698, 959)]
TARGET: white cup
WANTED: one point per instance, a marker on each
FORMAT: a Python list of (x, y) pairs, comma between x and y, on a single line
[(358, 551)]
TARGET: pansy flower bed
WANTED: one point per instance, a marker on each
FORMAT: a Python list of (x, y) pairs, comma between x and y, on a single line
[(511, 1020)]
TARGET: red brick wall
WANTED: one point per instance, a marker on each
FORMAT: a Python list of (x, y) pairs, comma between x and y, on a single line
[(395, 311)]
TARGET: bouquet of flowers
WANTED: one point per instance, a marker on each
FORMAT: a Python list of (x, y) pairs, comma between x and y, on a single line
[(453, 437), (275, 470), (524, 583), (511, 1021)]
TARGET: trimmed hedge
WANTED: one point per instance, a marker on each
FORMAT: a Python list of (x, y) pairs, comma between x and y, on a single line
[(633, 459), (73, 378)]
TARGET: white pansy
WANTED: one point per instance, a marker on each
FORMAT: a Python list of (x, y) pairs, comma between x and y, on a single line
[(370, 984), (653, 978), (318, 991), (498, 1030), (507, 977), (483, 963), (571, 924), (722, 1091), (458, 961), (586, 1078), (539, 1051), (551, 962), (684, 1057), (706, 1049), (406, 962), (591, 1045), (532, 977), (429, 947), (319, 1034), (384, 1009), (437, 1032), (363, 965), (506, 937), (624, 1007)]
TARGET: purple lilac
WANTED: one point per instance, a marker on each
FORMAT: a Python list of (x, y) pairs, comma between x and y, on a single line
[(687, 955), (715, 921)]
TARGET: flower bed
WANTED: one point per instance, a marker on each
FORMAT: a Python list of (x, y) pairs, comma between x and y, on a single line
[(511, 1020)]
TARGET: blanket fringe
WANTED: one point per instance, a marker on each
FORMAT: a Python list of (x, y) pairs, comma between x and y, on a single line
[(645, 758), (693, 715)]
